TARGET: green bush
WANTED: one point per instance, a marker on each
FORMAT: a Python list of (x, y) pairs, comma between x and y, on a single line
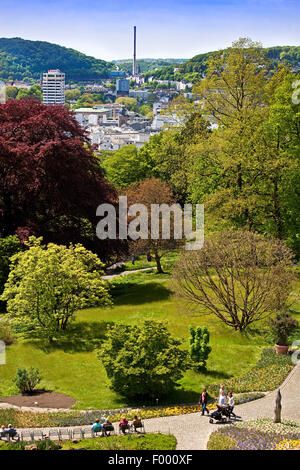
[(27, 379), (143, 360), (219, 441), (6, 333), (199, 349)]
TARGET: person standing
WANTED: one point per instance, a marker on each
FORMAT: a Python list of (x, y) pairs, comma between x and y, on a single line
[(231, 404), (222, 399), (203, 401)]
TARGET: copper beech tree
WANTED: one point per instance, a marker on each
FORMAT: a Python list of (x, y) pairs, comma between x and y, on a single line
[(239, 277), (50, 180), (148, 192)]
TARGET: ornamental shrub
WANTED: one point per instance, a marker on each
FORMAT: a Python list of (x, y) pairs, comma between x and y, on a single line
[(143, 360), (199, 349), (27, 379)]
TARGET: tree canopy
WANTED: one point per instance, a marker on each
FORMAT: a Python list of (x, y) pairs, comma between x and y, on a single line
[(143, 360), (50, 180), (47, 284)]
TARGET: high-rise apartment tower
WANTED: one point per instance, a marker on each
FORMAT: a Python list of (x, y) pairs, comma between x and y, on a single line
[(53, 86)]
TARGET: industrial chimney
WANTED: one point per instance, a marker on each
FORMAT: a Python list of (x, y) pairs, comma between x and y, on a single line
[(134, 52)]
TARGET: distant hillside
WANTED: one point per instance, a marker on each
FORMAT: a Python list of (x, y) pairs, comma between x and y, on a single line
[(146, 65), (22, 59), (192, 68)]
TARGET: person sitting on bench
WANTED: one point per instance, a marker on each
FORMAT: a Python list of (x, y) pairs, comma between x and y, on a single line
[(11, 431), (97, 426), (107, 427), (123, 425), (3, 431), (136, 423)]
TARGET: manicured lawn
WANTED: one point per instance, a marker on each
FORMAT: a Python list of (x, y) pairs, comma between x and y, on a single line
[(71, 366)]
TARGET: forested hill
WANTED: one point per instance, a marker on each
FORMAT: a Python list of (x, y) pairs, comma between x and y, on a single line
[(22, 59), (146, 65), (191, 69)]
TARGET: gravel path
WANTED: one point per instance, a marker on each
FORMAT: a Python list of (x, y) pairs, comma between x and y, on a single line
[(192, 431)]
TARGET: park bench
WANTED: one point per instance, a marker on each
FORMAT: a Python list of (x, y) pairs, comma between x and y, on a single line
[(7, 435), (139, 428)]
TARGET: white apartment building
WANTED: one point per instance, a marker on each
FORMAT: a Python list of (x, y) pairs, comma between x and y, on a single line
[(53, 86)]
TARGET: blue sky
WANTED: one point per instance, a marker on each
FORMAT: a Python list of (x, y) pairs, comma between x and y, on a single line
[(166, 28)]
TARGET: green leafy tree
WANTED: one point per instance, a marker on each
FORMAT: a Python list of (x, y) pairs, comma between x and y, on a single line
[(146, 110), (47, 284), (72, 95), (125, 166), (143, 360), (11, 92), (247, 170), (129, 103), (34, 92), (199, 349)]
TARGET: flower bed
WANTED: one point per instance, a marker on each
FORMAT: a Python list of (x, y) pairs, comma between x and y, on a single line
[(260, 434), (23, 419), (268, 374), (288, 445)]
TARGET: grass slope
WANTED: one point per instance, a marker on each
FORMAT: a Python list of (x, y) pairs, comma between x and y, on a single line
[(71, 366)]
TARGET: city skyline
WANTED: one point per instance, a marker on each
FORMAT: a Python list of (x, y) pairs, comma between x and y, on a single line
[(164, 29)]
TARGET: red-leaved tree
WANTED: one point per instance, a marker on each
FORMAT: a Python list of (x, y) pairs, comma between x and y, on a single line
[(50, 181)]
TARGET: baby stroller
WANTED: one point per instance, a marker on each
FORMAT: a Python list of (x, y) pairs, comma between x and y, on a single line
[(222, 414)]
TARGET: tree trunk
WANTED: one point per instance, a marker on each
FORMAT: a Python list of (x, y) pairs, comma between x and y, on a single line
[(158, 264), (277, 211), (277, 409)]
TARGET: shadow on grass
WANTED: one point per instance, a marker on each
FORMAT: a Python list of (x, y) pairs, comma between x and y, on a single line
[(135, 294), (79, 337), (217, 374), (176, 397)]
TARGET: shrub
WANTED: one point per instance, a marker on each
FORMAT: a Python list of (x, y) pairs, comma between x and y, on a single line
[(219, 441), (281, 327), (143, 360), (199, 349), (27, 379), (6, 333)]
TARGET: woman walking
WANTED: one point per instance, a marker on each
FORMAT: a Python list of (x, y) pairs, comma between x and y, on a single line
[(203, 401)]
